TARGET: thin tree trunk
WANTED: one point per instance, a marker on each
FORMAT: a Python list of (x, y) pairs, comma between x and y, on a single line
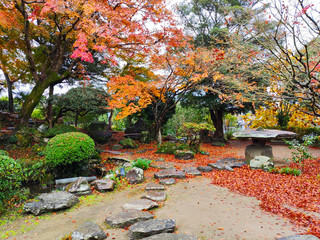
[(49, 107), (110, 120), (76, 120), (10, 95)]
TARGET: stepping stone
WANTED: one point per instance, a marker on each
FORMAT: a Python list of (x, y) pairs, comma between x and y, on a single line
[(158, 196), (170, 236), (161, 165), (120, 161), (88, 230), (227, 164), (167, 181), (151, 227), (140, 204), (170, 173), (192, 171), (299, 237), (127, 218), (205, 169), (154, 186), (114, 152)]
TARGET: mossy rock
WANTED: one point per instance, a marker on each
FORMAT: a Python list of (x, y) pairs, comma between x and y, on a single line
[(184, 154), (128, 143)]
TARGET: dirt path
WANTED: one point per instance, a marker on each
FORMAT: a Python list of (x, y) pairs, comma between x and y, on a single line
[(199, 208)]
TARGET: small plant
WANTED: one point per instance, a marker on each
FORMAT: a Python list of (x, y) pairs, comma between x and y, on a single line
[(142, 163), (34, 171), (286, 170), (68, 154), (192, 132), (302, 152)]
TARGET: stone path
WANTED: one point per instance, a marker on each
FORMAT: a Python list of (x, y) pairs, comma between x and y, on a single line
[(141, 224)]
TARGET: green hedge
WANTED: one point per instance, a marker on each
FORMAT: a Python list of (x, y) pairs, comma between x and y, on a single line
[(69, 148), (10, 180)]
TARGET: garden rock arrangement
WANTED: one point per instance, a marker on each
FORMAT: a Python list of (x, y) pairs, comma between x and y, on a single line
[(135, 175), (103, 185), (184, 155), (80, 187), (49, 202)]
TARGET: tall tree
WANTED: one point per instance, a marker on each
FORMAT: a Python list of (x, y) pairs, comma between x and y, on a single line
[(57, 35), (223, 24)]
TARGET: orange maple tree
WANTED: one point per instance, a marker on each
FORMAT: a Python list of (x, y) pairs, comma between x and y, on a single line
[(57, 35)]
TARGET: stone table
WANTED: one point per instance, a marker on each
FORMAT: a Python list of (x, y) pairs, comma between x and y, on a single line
[(259, 139)]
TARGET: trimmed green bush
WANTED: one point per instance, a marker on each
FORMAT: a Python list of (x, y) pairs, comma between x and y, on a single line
[(69, 148), (60, 129), (10, 180)]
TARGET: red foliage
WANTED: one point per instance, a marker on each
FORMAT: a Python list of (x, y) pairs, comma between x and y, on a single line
[(285, 195)]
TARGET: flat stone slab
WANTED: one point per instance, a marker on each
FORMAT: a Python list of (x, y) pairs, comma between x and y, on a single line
[(127, 218), (264, 134), (170, 236), (161, 165), (158, 196), (170, 173), (140, 204), (49, 202), (192, 171), (151, 227), (227, 164), (114, 152), (205, 168), (299, 237), (88, 231), (167, 181), (154, 187)]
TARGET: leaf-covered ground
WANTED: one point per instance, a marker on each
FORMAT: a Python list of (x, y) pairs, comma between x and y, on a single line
[(296, 198)]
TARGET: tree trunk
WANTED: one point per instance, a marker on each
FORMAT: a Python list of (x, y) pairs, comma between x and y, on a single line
[(110, 120), (49, 107), (76, 120), (158, 134), (31, 102), (10, 95), (217, 119)]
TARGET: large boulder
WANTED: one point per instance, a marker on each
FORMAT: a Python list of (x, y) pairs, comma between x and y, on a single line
[(135, 175), (151, 227), (49, 202), (261, 162), (89, 231), (138, 127), (79, 187), (99, 136), (258, 150), (127, 218)]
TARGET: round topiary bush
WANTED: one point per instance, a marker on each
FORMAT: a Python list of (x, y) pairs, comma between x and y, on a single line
[(10, 180), (69, 148)]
